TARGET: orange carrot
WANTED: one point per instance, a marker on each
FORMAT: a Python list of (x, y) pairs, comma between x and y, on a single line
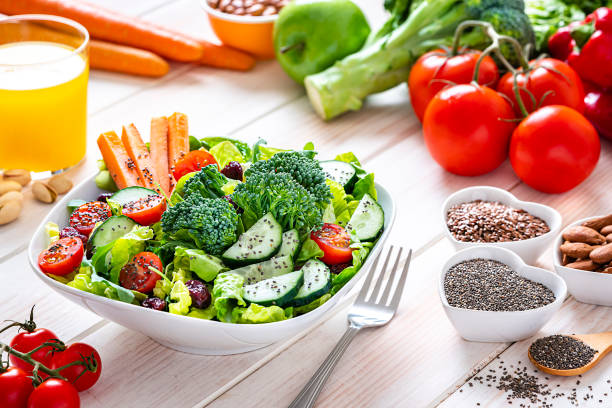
[(140, 156), (121, 167), (159, 151), (222, 56), (112, 26), (178, 140), (129, 60)]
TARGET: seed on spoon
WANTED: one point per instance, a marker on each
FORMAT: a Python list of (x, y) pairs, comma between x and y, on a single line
[(561, 352)]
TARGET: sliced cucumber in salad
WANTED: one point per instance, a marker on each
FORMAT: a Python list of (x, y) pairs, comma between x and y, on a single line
[(259, 243), (340, 172), (278, 291), (368, 219), (290, 245), (254, 273), (317, 282), (131, 194), (112, 228)]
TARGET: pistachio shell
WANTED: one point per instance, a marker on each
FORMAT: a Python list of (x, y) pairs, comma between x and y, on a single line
[(43, 192), (9, 185), (60, 183), (21, 176), (9, 211), (11, 196)]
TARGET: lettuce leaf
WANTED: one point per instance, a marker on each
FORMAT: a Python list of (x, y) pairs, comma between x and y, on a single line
[(360, 253), (309, 250), (181, 299), (88, 280), (256, 314), (350, 158), (339, 202), (177, 194), (207, 267), (312, 305), (53, 232), (226, 152), (206, 314), (364, 186), (261, 152), (243, 148), (227, 292)]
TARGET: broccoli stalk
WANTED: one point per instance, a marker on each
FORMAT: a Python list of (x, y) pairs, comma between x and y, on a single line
[(386, 59)]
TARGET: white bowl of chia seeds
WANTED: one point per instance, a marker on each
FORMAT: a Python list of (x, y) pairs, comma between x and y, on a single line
[(491, 295), (483, 215)]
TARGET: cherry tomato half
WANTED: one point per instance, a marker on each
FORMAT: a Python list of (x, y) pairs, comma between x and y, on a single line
[(136, 274), (28, 341), (193, 161), (62, 257), (334, 241), (84, 218), (54, 393), (145, 211), (15, 388), (76, 352)]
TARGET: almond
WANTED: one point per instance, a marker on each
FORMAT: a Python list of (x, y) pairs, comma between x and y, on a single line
[(609, 237), (9, 211), (587, 265), (607, 270), (60, 183), (583, 234), (606, 230), (21, 176), (43, 192), (11, 196), (9, 185), (576, 249), (598, 223), (602, 255)]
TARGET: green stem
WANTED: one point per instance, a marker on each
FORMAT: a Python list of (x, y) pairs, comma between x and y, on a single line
[(459, 32), (28, 359)]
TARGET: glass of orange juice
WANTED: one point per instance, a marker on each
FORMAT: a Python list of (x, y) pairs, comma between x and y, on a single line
[(43, 93)]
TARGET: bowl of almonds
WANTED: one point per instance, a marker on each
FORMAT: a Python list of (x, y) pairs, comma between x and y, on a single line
[(584, 259)]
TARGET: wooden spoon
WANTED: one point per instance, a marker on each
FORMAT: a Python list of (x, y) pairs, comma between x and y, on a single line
[(602, 342)]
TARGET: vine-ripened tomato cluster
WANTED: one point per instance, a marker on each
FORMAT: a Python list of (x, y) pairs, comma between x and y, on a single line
[(37, 370)]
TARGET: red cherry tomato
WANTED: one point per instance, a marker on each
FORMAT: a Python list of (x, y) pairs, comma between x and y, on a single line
[(15, 388), (26, 342), (147, 210), (599, 109), (193, 161), (76, 352), (62, 257), (136, 274), (84, 218), (334, 241), (436, 69), (54, 393), (467, 129), (554, 149), (552, 82)]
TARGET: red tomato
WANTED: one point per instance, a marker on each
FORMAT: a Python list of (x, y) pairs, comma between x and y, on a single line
[(147, 210), (193, 161), (76, 352), (136, 274), (554, 149), (15, 388), (599, 109), (467, 129), (84, 218), (552, 82), (28, 341), (62, 257), (54, 393), (434, 70), (334, 241)]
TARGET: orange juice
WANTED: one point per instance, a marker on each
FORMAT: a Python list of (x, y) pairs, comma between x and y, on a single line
[(43, 106)]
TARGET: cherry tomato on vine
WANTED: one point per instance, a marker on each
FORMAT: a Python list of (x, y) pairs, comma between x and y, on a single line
[(554, 149), (437, 69), (15, 388), (76, 352), (193, 161), (28, 341), (62, 257), (54, 393), (84, 218), (334, 241), (467, 129), (145, 211), (136, 274)]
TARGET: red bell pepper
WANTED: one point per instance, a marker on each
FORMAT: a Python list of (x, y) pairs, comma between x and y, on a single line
[(598, 109), (587, 47)]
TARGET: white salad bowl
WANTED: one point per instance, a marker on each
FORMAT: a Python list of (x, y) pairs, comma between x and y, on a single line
[(487, 326), (528, 249), (189, 334), (585, 286)]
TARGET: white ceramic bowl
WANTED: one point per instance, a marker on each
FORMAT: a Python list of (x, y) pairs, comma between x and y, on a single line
[(528, 249), (183, 333), (585, 286), (486, 326)]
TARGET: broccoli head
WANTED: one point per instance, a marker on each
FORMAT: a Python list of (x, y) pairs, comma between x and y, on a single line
[(303, 169), (207, 183), (210, 223)]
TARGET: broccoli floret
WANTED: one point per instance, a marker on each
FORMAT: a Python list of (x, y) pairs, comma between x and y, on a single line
[(210, 223), (290, 203), (207, 183), (305, 170)]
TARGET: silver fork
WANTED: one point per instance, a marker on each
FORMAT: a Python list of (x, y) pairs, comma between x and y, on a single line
[(367, 311)]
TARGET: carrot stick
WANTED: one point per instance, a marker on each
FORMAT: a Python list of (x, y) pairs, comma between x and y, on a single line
[(140, 156), (159, 151), (112, 26), (121, 167), (178, 141), (128, 60), (222, 56)]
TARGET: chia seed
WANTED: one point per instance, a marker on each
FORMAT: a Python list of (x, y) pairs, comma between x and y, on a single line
[(561, 352)]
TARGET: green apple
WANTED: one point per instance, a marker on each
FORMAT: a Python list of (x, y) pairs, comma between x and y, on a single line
[(310, 35)]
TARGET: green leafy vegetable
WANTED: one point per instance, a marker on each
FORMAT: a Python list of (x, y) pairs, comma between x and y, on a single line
[(243, 148), (340, 202), (262, 152), (312, 305), (547, 16), (255, 314), (207, 267), (74, 204), (181, 299), (88, 280), (309, 250), (360, 253), (227, 292), (52, 231), (226, 152), (350, 158), (194, 143), (364, 186), (207, 183)]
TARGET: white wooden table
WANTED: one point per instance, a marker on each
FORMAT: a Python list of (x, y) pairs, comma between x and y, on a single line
[(417, 360)]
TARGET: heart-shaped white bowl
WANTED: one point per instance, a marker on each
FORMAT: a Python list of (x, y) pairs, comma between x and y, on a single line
[(585, 286), (184, 333), (486, 326), (528, 249)]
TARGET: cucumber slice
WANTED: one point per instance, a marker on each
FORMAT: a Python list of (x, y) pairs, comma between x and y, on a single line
[(261, 242), (111, 229), (290, 245), (271, 268), (317, 282), (340, 172), (131, 194), (368, 219), (278, 291)]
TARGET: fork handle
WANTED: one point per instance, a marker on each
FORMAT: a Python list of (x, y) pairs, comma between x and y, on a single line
[(307, 397)]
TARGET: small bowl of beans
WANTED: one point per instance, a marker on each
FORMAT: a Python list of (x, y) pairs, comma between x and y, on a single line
[(490, 216), (245, 24)]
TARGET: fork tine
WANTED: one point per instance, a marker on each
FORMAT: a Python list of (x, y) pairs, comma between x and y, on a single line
[(401, 283), (385, 295), (381, 278), (368, 279)]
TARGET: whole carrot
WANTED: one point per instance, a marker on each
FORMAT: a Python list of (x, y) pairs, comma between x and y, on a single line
[(112, 26), (222, 56), (129, 60)]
